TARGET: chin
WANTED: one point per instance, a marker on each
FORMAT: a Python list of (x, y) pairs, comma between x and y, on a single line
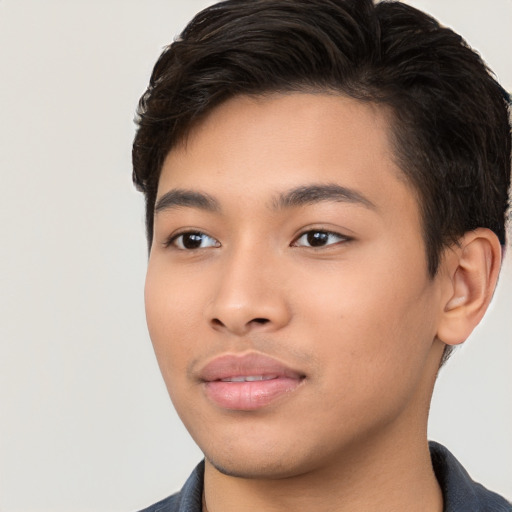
[(272, 460), (253, 469)]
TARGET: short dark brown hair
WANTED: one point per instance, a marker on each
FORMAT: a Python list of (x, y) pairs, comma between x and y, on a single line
[(449, 117)]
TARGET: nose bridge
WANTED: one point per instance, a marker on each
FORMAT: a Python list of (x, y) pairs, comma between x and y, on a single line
[(249, 293)]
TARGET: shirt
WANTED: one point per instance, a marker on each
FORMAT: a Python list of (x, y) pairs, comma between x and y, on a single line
[(460, 492)]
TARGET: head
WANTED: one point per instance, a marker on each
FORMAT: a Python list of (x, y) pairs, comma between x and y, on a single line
[(438, 116)]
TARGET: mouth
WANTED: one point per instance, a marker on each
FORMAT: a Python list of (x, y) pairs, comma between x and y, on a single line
[(250, 378), (248, 382)]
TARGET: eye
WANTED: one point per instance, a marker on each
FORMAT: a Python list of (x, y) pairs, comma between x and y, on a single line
[(319, 238), (192, 240)]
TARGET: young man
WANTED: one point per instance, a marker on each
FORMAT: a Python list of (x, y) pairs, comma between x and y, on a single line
[(326, 187)]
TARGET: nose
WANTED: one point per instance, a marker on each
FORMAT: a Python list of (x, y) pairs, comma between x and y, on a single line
[(249, 295)]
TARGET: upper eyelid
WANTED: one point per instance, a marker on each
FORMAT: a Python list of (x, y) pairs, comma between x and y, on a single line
[(187, 230), (320, 230), (174, 236)]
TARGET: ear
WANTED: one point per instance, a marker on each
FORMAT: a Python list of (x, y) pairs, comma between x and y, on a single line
[(471, 270)]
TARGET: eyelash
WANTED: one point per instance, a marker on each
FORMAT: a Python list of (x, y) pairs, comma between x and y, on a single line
[(173, 240), (323, 232)]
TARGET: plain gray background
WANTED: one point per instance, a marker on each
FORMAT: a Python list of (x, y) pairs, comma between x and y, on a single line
[(85, 421)]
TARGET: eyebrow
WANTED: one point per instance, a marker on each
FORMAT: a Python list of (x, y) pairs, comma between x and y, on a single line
[(311, 194), (181, 198), (300, 196)]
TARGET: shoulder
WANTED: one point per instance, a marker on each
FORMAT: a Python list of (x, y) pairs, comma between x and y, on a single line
[(189, 499), (169, 504), (460, 492)]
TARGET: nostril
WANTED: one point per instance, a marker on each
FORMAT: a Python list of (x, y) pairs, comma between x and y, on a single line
[(234, 326)]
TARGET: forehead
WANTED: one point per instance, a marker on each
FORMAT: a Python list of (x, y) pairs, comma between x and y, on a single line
[(265, 145)]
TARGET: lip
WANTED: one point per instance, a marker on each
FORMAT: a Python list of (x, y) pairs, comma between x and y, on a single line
[(268, 380)]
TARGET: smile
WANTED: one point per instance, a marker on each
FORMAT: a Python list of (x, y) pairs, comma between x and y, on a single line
[(248, 382)]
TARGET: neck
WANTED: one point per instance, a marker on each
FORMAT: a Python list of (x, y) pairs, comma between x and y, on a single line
[(389, 479)]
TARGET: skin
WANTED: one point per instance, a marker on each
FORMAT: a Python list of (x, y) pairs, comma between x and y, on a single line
[(359, 316)]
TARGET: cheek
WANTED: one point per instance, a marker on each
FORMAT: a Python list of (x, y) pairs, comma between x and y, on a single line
[(374, 319), (171, 324)]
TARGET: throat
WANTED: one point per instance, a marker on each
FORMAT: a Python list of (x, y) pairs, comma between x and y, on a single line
[(353, 488)]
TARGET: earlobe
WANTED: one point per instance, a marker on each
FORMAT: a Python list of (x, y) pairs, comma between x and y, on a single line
[(472, 273)]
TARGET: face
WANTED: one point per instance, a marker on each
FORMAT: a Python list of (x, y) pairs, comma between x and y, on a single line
[(287, 294)]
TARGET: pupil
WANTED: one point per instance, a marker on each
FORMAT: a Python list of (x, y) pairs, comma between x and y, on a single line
[(192, 240), (317, 238)]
